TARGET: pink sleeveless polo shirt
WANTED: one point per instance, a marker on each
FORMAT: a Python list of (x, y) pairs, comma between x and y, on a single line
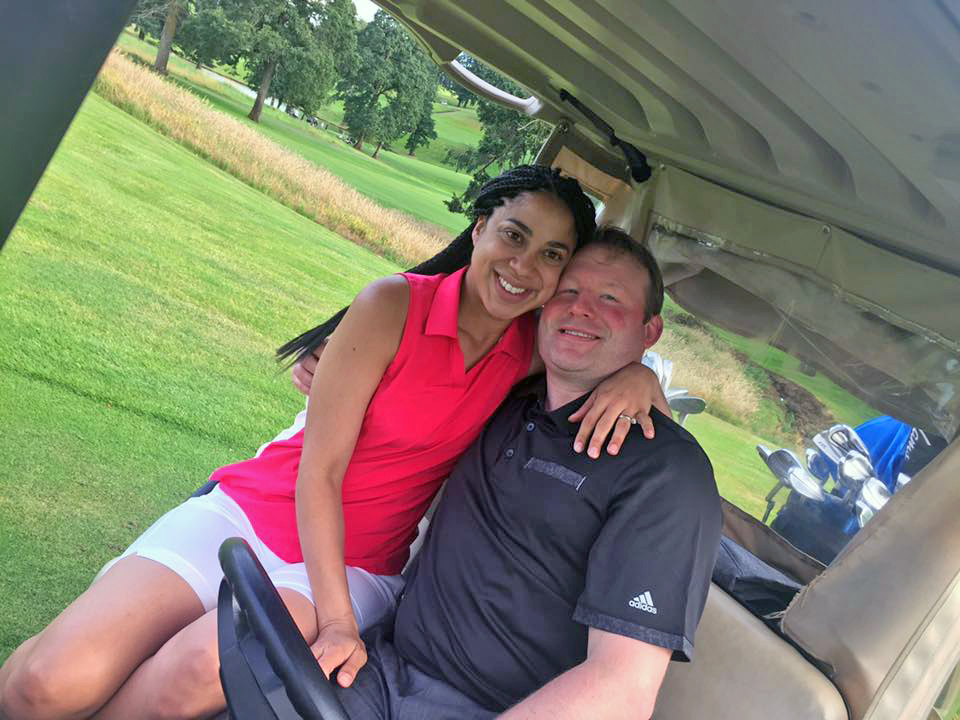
[(425, 412)]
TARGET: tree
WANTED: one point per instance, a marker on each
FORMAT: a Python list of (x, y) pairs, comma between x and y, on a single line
[(174, 9), (286, 47), (289, 45), (148, 17), (209, 35), (425, 131), (299, 79), (465, 98), (385, 91), (338, 31), (509, 137)]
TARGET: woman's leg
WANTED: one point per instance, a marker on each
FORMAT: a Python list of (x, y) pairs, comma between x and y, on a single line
[(77, 663), (14, 659), (182, 680), (164, 581), (374, 597)]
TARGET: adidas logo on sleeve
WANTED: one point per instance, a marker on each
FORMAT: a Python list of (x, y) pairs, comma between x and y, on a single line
[(644, 602)]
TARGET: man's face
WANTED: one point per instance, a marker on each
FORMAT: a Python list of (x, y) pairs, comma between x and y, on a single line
[(594, 325)]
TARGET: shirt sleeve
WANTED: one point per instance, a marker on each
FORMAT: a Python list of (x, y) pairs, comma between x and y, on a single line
[(649, 569)]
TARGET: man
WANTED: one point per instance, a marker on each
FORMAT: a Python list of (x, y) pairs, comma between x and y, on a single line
[(550, 584)]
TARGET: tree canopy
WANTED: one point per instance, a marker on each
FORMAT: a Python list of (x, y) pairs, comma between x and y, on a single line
[(294, 48), (384, 94), (426, 129), (305, 51), (148, 16), (298, 50), (209, 35)]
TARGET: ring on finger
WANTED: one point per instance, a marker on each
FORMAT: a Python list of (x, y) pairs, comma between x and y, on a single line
[(630, 418)]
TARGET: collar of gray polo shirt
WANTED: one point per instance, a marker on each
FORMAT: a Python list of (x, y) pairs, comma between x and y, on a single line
[(558, 417)]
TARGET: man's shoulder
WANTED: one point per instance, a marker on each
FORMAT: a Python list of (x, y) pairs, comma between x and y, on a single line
[(670, 439), (673, 454)]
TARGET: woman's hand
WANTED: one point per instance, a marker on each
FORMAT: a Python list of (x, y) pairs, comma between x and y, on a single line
[(338, 645), (301, 374), (630, 392)]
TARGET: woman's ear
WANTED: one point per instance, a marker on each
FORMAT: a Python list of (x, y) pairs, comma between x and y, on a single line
[(481, 222)]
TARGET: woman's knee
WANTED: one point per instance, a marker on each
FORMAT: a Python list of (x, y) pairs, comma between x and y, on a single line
[(189, 675), (50, 682)]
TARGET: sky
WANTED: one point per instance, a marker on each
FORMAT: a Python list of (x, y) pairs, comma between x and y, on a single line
[(365, 9)]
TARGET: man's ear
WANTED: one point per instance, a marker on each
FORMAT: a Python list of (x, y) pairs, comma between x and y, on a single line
[(652, 331)]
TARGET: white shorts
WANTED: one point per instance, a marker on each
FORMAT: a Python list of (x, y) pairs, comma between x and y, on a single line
[(187, 539)]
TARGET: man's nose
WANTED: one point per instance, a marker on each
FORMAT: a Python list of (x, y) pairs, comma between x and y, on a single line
[(582, 305)]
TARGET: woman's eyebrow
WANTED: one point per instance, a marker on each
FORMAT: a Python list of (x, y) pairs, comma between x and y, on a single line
[(520, 225)]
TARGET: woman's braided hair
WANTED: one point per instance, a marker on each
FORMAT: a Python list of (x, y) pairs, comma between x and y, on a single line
[(519, 180)]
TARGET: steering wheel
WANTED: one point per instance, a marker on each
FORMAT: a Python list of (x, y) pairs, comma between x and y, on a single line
[(266, 667)]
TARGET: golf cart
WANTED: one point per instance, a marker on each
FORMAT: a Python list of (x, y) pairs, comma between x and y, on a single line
[(795, 167)]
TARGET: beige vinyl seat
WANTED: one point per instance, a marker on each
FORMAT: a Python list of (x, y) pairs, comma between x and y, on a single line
[(743, 670)]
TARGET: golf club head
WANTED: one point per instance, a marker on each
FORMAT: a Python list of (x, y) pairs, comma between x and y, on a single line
[(902, 480), (817, 466), (872, 497), (827, 448), (846, 440), (687, 405), (854, 470), (786, 466)]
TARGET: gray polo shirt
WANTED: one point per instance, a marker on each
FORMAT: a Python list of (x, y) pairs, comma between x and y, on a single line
[(533, 544)]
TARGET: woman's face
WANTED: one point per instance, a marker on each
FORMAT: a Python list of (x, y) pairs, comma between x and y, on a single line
[(519, 251)]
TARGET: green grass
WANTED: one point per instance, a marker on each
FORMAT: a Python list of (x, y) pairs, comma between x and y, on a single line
[(147, 51), (143, 294), (394, 180), (741, 476)]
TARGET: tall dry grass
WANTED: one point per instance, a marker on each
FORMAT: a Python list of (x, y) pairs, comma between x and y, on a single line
[(707, 367), (263, 164)]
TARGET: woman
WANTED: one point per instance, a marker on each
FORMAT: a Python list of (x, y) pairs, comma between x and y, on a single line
[(417, 365)]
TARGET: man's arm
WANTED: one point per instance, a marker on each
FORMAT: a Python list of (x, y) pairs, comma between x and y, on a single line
[(619, 679)]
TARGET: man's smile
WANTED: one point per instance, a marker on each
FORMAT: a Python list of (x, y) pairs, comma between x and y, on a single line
[(578, 334)]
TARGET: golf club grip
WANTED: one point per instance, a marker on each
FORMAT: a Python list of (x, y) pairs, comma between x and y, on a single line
[(288, 653)]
